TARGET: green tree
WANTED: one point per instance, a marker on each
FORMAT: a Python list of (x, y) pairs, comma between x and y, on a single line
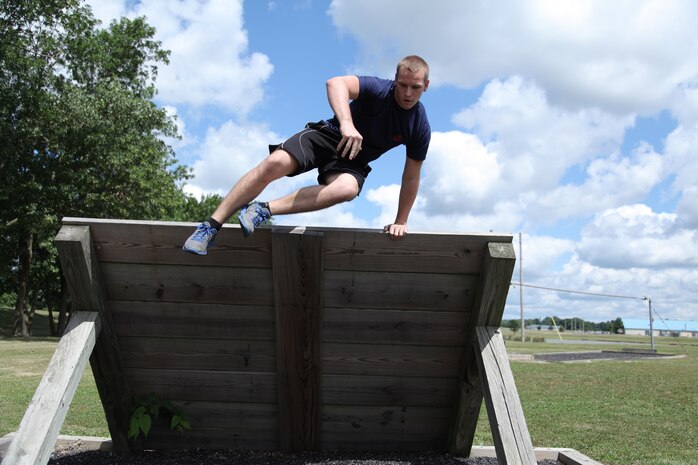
[(616, 326), (79, 136)]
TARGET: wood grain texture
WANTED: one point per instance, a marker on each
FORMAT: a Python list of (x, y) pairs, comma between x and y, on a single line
[(512, 440), (298, 271), (295, 338), (488, 308), (394, 327), (87, 290), (193, 320)]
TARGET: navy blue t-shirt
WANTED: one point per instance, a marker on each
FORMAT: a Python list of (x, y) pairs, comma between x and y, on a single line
[(384, 124)]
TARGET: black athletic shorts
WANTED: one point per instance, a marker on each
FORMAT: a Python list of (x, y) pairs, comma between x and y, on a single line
[(316, 147)]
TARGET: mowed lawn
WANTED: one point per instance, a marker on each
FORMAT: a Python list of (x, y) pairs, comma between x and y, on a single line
[(618, 413)]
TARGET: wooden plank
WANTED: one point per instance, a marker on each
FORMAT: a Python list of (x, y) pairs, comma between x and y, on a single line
[(161, 437), (297, 265), (156, 243), (351, 390), (391, 360), (86, 286), (496, 279), (209, 386), (191, 320), (399, 291), (198, 354), (231, 415), (192, 284), (468, 405), (386, 442), (394, 327), (432, 253), (385, 419), (573, 457), (492, 290), (44, 417), (512, 440)]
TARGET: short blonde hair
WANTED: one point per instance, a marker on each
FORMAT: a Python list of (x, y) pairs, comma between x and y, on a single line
[(413, 63)]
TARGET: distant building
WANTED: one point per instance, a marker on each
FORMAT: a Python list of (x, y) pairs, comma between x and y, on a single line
[(673, 328)]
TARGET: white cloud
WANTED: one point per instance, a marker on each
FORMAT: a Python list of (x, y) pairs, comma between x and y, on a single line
[(533, 160), (228, 152), (687, 210), (461, 174), (682, 156), (610, 182), (624, 56), (636, 237), (210, 64)]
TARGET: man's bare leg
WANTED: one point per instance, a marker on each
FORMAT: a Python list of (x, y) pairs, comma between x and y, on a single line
[(277, 165), (340, 187)]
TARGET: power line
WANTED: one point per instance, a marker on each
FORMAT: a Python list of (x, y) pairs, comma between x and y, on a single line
[(579, 292)]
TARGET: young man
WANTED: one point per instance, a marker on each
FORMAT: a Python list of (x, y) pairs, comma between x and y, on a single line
[(371, 116)]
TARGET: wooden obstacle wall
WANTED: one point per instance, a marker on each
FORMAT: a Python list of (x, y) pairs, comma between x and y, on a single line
[(300, 339)]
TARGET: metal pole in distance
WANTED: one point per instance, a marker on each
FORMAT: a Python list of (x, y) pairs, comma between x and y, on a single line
[(651, 324), (523, 321)]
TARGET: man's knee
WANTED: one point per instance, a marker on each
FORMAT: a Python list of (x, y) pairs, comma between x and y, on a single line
[(278, 164), (345, 187)]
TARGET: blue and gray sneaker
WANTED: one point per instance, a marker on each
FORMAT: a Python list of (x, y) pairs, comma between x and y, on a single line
[(253, 215), (201, 240)]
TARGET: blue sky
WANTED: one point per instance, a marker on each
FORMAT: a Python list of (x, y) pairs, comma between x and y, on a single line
[(572, 122)]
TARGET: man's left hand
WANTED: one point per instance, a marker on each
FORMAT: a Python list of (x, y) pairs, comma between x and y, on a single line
[(396, 231)]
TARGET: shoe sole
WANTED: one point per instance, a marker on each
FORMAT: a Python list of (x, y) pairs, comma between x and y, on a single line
[(195, 251), (246, 230)]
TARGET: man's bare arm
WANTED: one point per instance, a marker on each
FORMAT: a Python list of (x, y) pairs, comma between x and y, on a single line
[(408, 194), (340, 90)]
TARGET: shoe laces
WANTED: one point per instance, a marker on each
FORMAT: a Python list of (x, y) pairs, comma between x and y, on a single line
[(260, 215), (205, 232)]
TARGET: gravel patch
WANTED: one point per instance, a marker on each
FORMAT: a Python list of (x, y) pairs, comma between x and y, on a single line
[(594, 356)]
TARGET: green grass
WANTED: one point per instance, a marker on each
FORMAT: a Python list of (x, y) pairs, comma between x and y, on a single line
[(23, 364), (618, 413)]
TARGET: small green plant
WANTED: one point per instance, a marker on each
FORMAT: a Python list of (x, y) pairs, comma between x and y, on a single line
[(149, 409)]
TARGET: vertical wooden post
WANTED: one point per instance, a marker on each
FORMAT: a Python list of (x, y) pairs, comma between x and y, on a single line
[(81, 270), (297, 270), (44, 417)]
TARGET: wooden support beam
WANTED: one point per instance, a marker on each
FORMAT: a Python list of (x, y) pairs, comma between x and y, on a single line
[(81, 270), (497, 268), (44, 417), (297, 270), (512, 440)]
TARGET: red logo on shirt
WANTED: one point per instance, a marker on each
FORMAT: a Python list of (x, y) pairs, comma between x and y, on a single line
[(397, 138)]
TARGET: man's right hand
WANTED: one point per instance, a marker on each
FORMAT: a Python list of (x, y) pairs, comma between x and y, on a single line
[(350, 145)]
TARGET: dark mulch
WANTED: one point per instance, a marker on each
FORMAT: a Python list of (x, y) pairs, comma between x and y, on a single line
[(220, 457)]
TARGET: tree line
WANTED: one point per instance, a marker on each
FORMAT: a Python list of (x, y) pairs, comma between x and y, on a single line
[(81, 136), (568, 324)]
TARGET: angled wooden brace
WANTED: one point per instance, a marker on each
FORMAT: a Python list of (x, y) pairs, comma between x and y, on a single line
[(90, 335), (44, 417), (486, 374)]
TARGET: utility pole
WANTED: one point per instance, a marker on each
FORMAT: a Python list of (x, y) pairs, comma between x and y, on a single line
[(523, 321), (649, 300)]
